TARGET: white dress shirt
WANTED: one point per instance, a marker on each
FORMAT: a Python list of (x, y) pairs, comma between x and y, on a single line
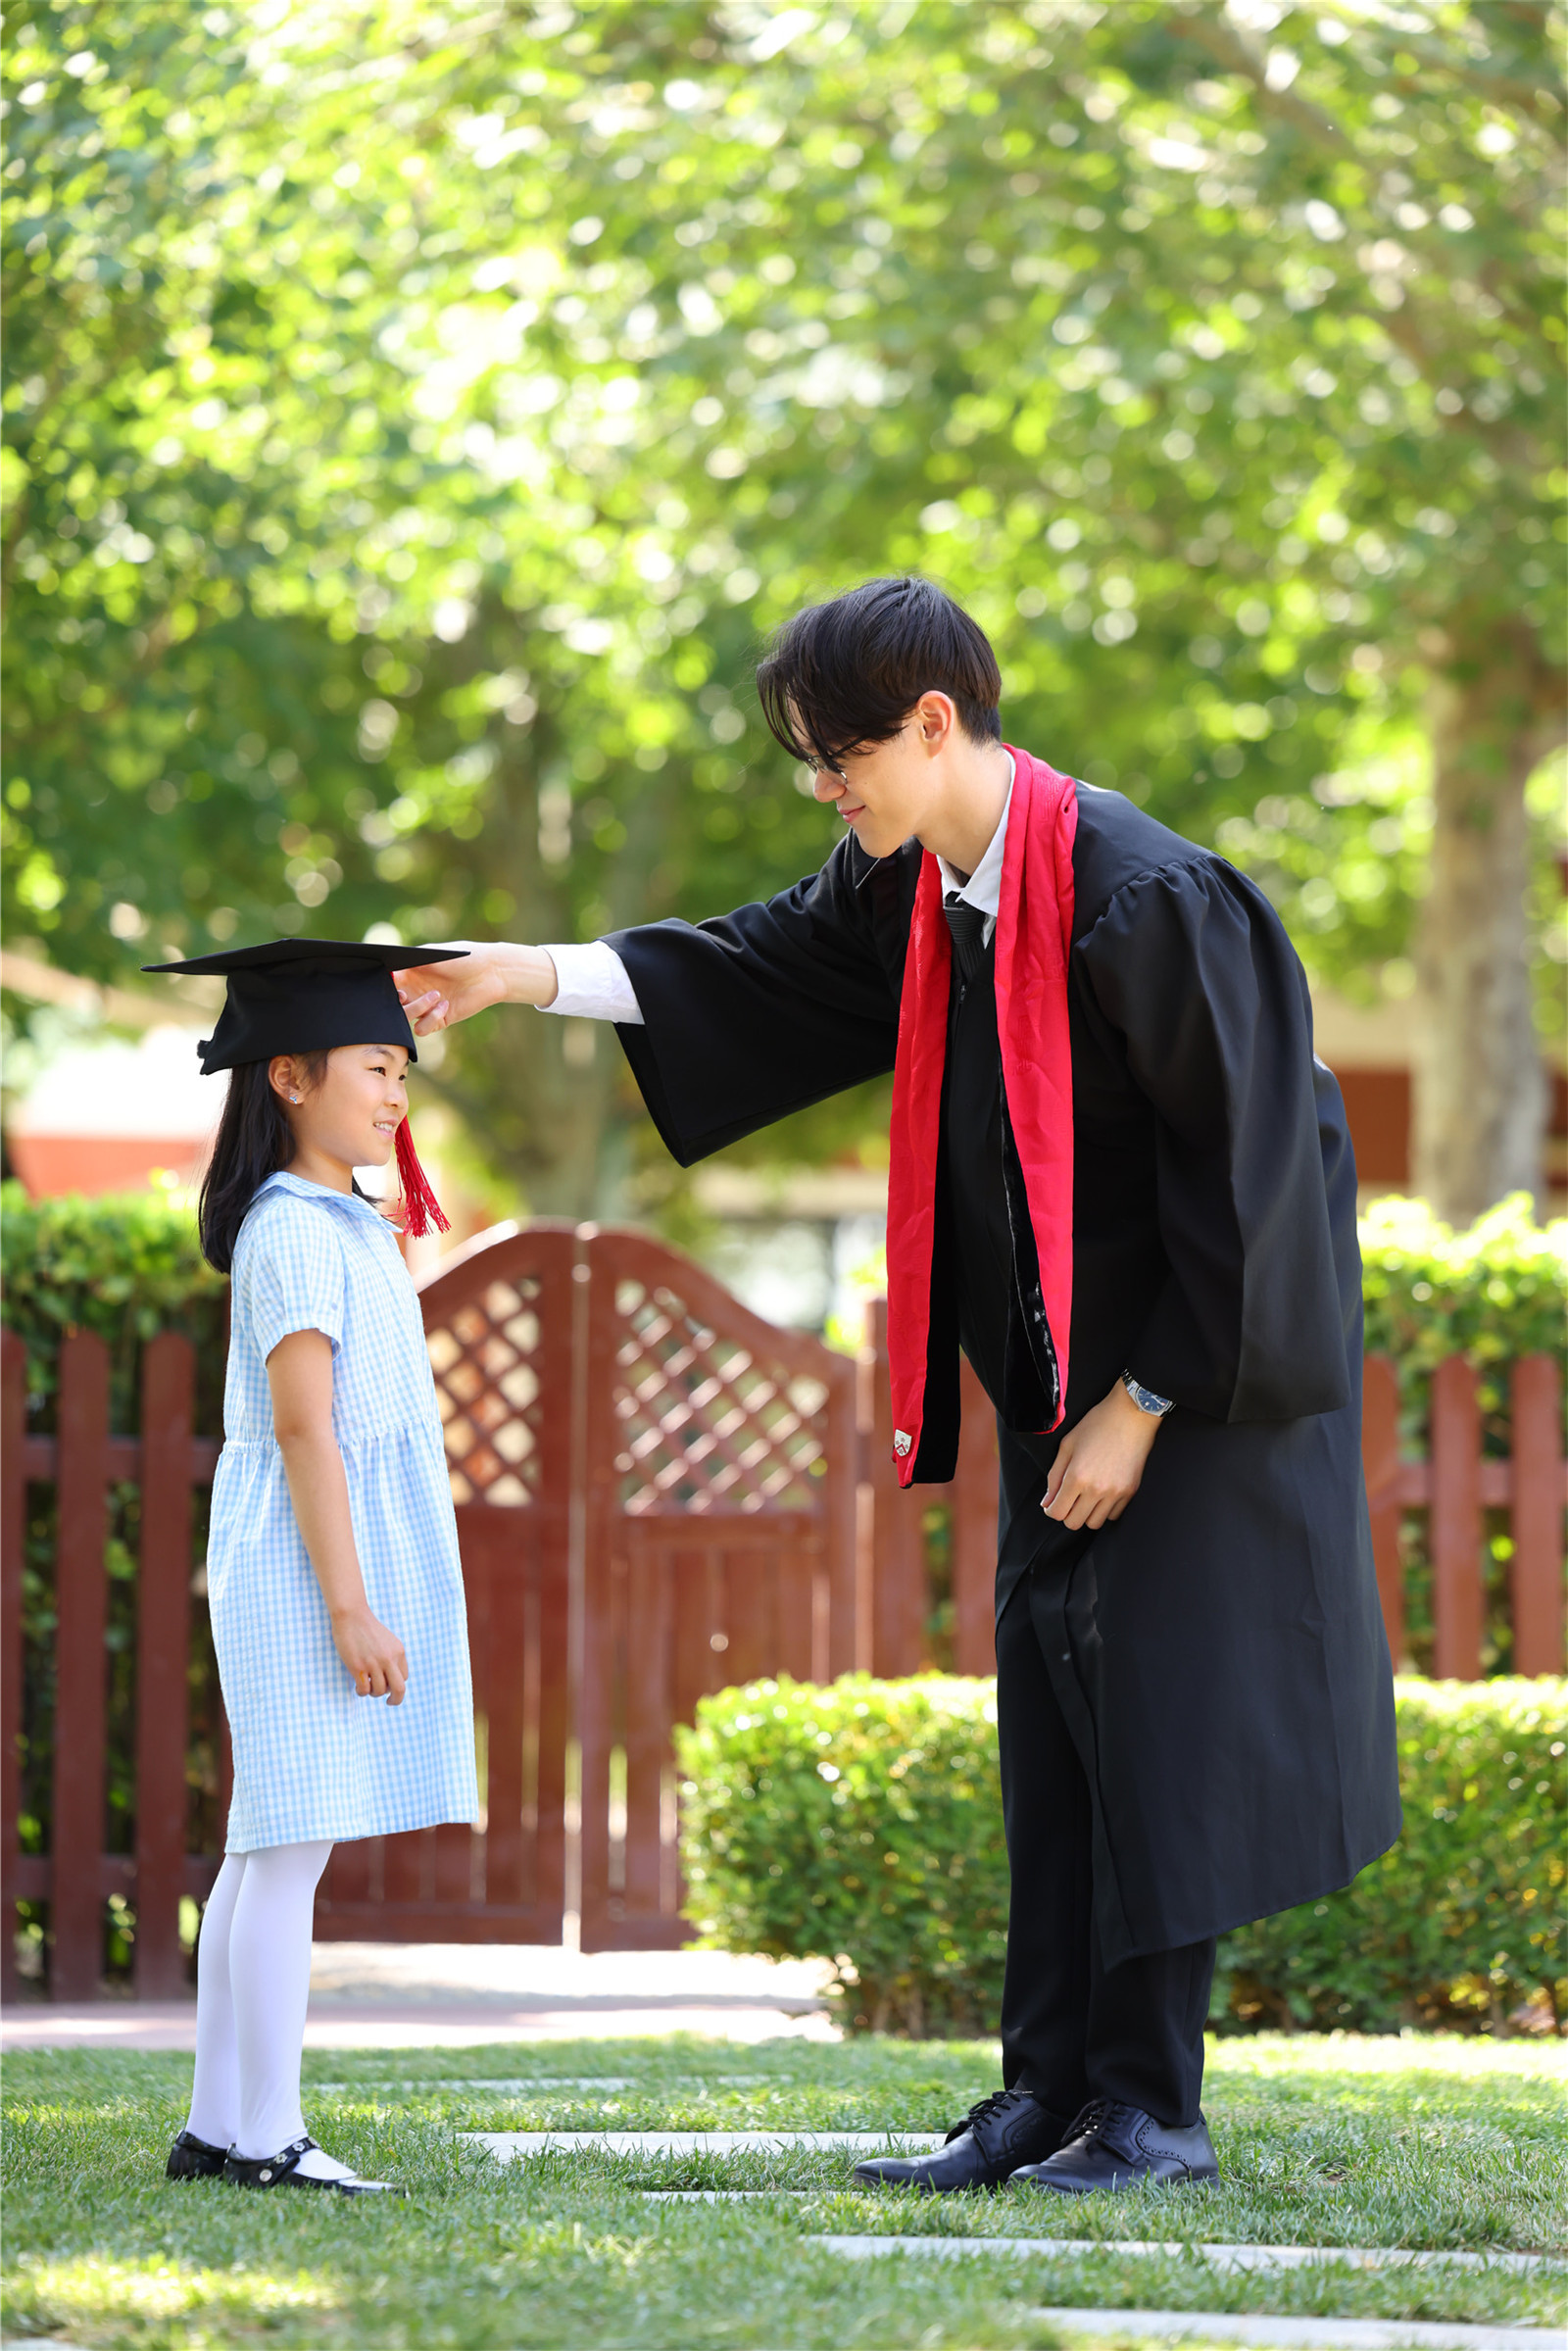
[(592, 983)]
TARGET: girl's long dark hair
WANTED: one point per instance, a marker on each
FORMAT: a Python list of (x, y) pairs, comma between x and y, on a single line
[(254, 1141)]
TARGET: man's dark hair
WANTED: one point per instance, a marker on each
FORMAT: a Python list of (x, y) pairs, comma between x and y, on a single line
[(845, 674)]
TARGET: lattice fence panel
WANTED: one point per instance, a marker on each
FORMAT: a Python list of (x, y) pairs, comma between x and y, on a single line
[(705, 1423), (487, 1377)]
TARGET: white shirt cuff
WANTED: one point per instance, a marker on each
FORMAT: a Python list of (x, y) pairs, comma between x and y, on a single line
[(592, 983)]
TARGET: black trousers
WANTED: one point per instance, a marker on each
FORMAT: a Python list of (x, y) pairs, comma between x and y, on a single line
[(1071, 2029)]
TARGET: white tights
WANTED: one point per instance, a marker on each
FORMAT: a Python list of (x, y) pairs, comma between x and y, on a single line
[(253, 1981)]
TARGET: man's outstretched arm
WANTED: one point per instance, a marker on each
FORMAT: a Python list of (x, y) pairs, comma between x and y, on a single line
[(727, 1024), (590, 982)]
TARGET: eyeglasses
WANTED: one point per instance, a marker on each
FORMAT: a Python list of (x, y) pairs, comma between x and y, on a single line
[(818, 766)]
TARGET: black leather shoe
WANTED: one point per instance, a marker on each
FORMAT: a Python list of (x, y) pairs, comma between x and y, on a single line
[(282, 2171), (1115, 2146), (1003, 2131), (191, 2158)]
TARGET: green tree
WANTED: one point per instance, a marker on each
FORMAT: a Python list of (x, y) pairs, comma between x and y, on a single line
[(404, 464)]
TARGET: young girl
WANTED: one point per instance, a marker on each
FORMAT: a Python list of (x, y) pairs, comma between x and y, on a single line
[(333, 1578)]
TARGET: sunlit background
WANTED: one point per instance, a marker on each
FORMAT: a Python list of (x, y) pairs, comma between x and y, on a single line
[(418, 415)]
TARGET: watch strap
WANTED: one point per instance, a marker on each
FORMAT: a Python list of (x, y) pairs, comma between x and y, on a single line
[(1145, 1397)]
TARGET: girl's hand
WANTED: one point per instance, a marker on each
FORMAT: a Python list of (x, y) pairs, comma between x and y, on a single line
[(372, 1654), (436, 995), (1100, 1464)]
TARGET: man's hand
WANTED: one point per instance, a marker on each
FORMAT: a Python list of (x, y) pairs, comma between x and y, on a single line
[(372, 1654), (437, 996), (1100, 1464)]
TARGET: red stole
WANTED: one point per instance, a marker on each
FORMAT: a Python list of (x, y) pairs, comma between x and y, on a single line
[(1033, 939)]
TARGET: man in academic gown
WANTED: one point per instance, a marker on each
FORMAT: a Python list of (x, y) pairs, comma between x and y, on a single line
[(1122, 1181)]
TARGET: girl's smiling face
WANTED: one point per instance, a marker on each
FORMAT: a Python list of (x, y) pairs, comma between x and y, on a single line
[(348, 1115)]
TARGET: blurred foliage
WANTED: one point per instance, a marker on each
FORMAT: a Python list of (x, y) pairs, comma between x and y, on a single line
[(125, 1265), (404, 451), (862, 1823)]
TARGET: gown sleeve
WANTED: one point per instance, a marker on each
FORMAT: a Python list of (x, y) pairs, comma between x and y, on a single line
[(1193, 967), (760, 1013)]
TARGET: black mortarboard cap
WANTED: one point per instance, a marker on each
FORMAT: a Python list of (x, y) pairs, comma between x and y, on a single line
[(297, 995)]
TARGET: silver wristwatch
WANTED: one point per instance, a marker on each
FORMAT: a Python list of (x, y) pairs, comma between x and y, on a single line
[(1145, 1397)]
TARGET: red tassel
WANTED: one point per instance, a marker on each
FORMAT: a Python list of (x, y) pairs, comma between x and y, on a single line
[(421, 1208)]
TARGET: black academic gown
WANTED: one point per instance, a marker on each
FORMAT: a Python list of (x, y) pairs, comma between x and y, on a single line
[(1222, 1664)]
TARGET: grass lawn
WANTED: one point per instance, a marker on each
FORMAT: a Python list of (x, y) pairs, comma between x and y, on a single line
[(1426, 2142)]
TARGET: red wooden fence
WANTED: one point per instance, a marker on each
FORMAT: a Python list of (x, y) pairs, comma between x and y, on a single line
[(82, 1461), (656, 1494), (1454, 1486)]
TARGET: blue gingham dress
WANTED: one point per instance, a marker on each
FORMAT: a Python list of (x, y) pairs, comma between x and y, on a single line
[(311, 1758)]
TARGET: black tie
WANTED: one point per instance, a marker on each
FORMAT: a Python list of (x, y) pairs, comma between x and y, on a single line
[(968, 924)]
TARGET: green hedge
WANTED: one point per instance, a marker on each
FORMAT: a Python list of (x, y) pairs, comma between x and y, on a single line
[(127, 1265), (861, 1823)]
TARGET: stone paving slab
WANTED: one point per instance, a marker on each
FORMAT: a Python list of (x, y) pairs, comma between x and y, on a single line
[(1297, 2334), (1244, 2327), (512, 2146), (1233, 2259), (521, 2085)]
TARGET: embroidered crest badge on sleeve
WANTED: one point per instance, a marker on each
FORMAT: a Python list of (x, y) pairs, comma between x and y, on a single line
[(902, 1442)]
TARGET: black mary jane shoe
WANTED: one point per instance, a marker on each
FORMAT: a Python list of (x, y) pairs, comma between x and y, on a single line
[(282, 2171), (191, 2158), (1115, 2146), (996, 2136)]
